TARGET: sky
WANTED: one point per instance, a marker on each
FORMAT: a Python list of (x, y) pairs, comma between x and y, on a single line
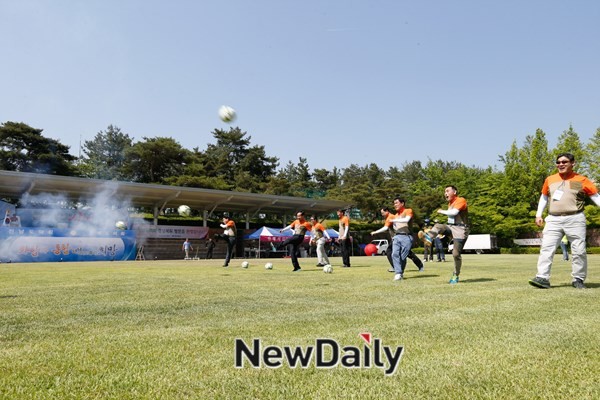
[(337, 82)]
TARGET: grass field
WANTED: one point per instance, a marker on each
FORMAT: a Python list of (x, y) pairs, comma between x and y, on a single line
[(166, 330)]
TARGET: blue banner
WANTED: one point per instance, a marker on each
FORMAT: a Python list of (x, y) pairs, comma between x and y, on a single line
[(50, 244)]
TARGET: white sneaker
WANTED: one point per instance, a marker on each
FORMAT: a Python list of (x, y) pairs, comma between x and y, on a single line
[(398, 277)]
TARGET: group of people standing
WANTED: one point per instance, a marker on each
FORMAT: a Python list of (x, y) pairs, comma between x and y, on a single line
[(399, 227), (435, 248), (564, 193), (229, 235), (301, 226)]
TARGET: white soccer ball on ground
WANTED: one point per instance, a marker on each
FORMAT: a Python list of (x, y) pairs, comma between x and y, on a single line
[(226, 113), (184, 210), (245, 264), (269, 265), (328, 269), (120, 225)]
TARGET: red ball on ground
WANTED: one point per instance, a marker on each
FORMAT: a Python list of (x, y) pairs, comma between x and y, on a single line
[(370, 249)]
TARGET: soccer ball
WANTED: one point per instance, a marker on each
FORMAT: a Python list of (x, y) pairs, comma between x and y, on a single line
[(184, 210), (121, 225), (268, 266), (226, 113), (328, 269), (245, 264)]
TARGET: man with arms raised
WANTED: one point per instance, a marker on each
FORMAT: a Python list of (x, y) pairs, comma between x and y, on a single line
[(387, 227), (457, 226)]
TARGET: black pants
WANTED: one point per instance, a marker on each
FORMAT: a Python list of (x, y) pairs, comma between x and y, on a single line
[(209, 253), (230, 248), (346, 246), (295, 241)]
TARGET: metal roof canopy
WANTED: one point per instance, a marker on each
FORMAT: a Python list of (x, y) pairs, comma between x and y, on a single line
[(16, 184)]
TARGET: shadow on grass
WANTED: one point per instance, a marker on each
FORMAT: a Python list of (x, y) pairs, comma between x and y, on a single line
[(9, 296), (587, 285), (478, 280), (421, 275)]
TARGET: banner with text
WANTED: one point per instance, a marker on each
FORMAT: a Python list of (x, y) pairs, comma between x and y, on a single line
[(50, 244), (170, 231)]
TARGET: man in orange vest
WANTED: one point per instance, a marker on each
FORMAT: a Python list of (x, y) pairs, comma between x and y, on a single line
[(300, 226)]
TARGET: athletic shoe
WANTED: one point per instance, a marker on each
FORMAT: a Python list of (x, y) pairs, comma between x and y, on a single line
[(320, 265), (421, 269), (297, 269), (454, 279), (345, 266), (398, 277), (391, 270), (578, 284), (225, 265), (540, 283)]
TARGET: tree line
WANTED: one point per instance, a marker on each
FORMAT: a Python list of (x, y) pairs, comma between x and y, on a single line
[(500, 201)]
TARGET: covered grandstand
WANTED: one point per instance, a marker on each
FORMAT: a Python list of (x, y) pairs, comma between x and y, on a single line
[(160, 242)]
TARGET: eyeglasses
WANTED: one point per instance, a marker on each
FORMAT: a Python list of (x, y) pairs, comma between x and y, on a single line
[(562, 162)]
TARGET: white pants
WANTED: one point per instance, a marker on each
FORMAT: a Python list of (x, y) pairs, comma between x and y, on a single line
[(573, 226), (321, 253)]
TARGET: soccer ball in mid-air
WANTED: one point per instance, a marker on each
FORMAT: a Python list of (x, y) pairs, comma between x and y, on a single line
[(226, 113), (184, 210), (269, 266), (245, 264), (328, 269), (120, 225)]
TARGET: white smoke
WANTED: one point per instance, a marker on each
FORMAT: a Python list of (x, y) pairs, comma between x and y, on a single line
[(97, 212)]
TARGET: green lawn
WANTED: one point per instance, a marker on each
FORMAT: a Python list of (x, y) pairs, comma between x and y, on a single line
[(166, 330)]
